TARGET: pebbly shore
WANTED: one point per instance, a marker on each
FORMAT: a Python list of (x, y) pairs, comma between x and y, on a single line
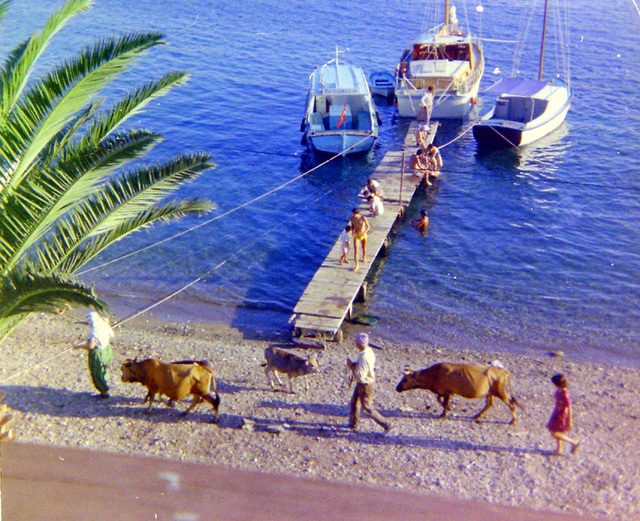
[(49, 388)]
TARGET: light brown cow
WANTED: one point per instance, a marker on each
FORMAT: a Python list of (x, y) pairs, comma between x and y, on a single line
[(175, 380), (468, 381)]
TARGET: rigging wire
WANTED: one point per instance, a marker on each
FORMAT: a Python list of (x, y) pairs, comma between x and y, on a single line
[(217, 217), (174, 293)]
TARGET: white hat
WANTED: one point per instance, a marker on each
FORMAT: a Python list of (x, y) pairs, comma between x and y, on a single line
[(362, 339)]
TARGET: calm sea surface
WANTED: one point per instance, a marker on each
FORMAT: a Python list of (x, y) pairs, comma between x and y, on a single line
[(533, 249)]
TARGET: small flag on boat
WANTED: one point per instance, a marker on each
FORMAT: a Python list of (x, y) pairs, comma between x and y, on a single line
[(343, 117)]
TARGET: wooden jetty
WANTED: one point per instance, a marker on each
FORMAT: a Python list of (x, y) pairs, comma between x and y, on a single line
[(328, 299)]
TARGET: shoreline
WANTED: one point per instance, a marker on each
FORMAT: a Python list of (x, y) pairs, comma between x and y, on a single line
[(303, 434), (260, 323)]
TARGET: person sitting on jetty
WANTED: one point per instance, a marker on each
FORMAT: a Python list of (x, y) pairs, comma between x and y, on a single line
[(418, 161), (375, 205), (423, 223), (372, 187), (359, 227), (422, 136), (434, 160)]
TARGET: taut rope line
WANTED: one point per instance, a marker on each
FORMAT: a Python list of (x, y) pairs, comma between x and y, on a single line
[(228, 212)]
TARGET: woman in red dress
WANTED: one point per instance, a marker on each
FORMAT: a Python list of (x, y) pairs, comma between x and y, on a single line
[(560, 421)]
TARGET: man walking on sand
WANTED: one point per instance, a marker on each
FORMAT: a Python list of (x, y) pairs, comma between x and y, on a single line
[(359, 227), (364, 376), (100, 354)]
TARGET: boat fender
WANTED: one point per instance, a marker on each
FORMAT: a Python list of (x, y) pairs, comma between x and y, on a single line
[(303, 124), (379, 118), (474, 101)]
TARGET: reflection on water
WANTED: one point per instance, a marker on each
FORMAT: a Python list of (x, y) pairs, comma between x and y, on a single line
[(528, 249)]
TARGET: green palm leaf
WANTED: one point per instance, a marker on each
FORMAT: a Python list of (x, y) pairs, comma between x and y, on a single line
[(63, 195), (25, 292), (50, 104)]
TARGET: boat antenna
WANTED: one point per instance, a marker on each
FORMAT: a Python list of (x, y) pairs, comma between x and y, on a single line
[(544, 35)]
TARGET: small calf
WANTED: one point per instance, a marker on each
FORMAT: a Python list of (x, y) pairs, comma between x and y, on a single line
[(281, 361)]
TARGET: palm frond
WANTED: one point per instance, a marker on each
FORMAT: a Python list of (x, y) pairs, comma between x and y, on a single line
[(75, 258), (52, 102), (33, 210), (22, 292), (136, 190), (131, 105), (16, 71), (4, 4)]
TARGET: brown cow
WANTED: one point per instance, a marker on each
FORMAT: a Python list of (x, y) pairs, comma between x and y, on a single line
[(468, 381), (175, 380)]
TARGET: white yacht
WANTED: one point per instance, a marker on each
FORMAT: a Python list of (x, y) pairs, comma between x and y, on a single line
[(446, 58)]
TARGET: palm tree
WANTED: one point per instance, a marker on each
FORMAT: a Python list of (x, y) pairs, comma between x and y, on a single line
[(65, 191)]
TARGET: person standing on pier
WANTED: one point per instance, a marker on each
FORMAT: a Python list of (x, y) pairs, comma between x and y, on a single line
[(360, 227), (344, 239), (364, 376), (426, 104), (99, 350)]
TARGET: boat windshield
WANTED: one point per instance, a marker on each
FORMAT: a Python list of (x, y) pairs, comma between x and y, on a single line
[(455, 52)]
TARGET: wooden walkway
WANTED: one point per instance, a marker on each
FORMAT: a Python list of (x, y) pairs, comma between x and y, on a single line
[(328, 299)]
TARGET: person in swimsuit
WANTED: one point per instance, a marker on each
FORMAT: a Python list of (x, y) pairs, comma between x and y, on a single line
[(423, 223), (344, 238), (359, 227)]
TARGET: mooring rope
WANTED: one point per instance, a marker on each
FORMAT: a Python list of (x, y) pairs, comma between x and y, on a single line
[(217, 217)]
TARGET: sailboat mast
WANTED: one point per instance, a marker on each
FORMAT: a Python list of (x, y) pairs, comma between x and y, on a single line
[(446, 13), (544, 35)]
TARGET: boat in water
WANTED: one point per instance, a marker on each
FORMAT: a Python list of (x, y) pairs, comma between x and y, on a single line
[(341, 116), (382, 84), (446, 58), (525, 110)]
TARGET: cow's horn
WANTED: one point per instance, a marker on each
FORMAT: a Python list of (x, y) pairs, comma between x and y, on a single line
[(407, 369)]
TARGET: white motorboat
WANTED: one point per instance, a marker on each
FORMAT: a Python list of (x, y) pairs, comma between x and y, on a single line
[(525, 110), (382, 84), (446, 58), (341, 116)]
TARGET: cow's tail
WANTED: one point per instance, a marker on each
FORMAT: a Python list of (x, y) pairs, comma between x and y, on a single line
[(512, 397)]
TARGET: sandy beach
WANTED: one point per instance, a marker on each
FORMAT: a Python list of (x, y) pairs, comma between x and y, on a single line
[(305, 433)]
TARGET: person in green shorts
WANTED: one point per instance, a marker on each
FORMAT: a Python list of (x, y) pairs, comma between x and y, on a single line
[(99, 350)]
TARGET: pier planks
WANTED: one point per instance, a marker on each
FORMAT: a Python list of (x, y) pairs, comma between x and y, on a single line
[(328, 299)]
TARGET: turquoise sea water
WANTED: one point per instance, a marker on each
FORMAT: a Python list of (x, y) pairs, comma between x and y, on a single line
[(532, 249)]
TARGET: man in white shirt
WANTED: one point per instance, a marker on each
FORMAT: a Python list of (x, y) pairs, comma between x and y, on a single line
[(100, 354), (364, 376)]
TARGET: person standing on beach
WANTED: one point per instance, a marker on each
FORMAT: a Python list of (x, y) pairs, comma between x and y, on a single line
[(364, 376), (360, 227), (560, 421), (100, 354), (344, 238)]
